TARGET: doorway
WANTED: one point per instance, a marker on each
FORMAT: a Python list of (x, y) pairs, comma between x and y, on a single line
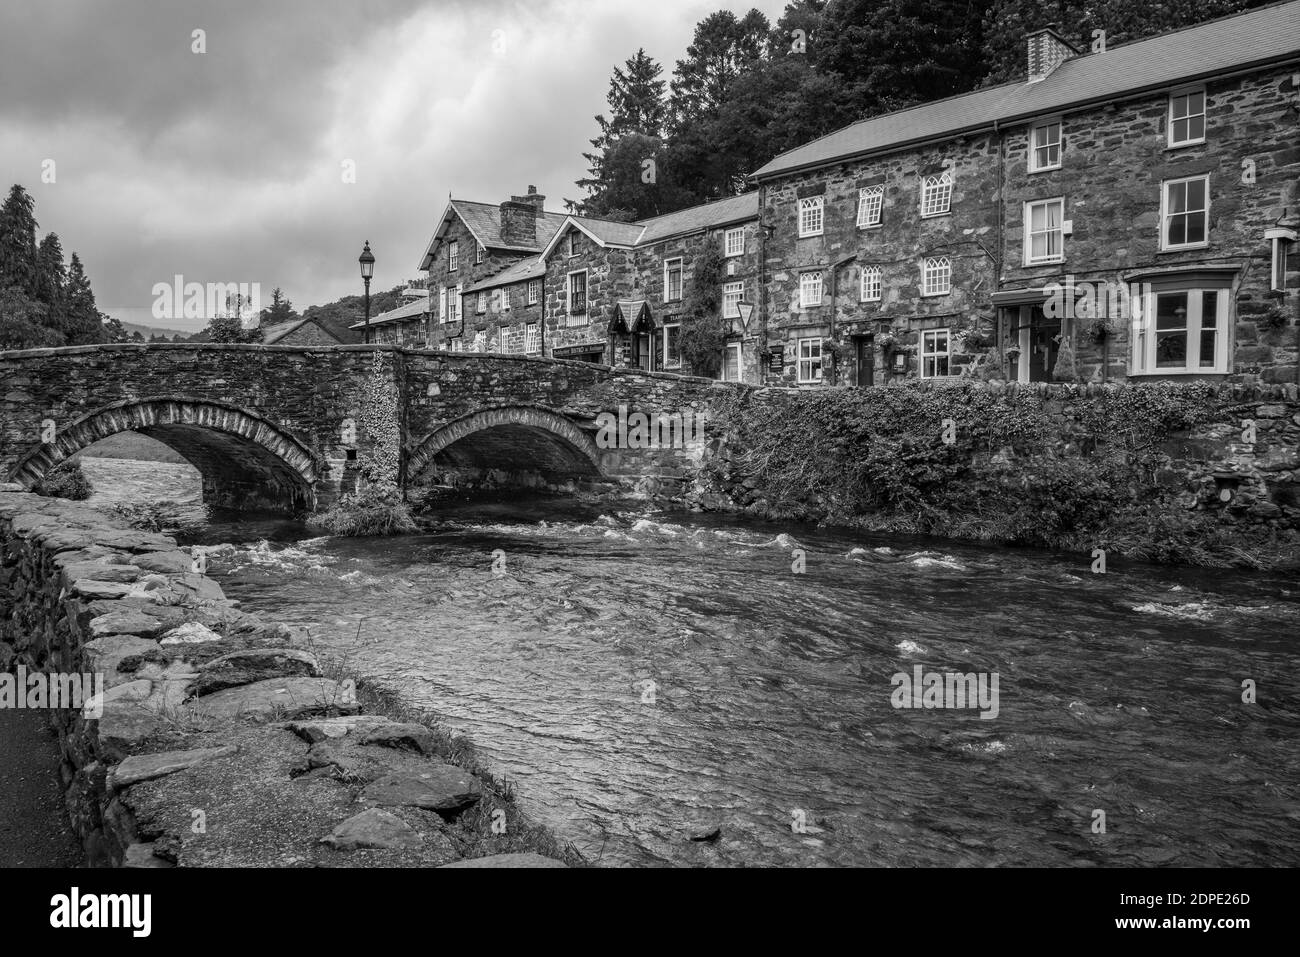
[(1039, 342), (865, 347)]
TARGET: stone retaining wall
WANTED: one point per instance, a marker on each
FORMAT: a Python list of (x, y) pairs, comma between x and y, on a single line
[(220, 741)]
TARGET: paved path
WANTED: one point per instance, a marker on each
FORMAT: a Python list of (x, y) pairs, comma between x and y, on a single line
[(34, 830)]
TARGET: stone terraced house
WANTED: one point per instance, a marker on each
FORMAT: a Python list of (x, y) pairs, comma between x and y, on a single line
[(1136, 205), (1135, 208)]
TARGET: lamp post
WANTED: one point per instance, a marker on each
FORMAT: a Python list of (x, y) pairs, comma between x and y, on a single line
[(367, 260)]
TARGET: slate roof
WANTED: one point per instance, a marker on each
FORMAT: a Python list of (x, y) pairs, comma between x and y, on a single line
[(723, 212), (274, 333), (1255, 38), (417, 307), (483, 220), (525, 269)]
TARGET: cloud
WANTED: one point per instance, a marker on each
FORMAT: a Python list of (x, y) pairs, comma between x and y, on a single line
[(227, 166)]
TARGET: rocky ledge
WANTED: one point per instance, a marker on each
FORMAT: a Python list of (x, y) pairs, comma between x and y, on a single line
[(221, 741)]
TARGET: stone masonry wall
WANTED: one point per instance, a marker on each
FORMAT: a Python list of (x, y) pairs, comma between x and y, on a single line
[(219, 742)]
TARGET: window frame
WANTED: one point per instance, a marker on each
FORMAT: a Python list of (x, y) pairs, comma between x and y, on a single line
[(1165, 214), (739, 293), (943, 184), (925, 280), (1145, 339), (532, 331), (479, 254), (681, 279), (804, 303), (1186, 93), (453, 255), (879, 284), (923, 353), (569, 251), (878, 194), (1034, 147), (665, 361), (568, 298), (726, 242), (800, 359), (732, 347), (480, 305), (454, 305), (504, 301), (1028, 242), (534, 293), (810, 204)]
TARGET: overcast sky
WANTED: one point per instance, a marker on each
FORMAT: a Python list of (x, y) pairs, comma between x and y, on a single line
[(227, 166)]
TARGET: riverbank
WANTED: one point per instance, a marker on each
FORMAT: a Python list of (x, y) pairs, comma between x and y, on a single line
[(1195, 474), (224, 740)]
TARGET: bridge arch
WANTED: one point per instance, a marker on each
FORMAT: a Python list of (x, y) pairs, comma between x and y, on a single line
[(245, 460), (510, 438)]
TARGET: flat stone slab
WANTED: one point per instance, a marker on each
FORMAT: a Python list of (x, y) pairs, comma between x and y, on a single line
[(440, 787), (404, 737), (508, 860), (105, 655), (124, 725), (190, 633), (276, 698), (144, 767), (142, 855), (129, 622), (322, 729), (255, 664), (91, 588), (100, 571), (373, 827), (166, 563)]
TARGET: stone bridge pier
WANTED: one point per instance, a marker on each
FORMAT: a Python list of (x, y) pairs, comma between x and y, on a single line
[(289, 429)]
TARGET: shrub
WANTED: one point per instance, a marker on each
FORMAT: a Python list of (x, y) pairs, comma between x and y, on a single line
[(377, 509), (65, 480)]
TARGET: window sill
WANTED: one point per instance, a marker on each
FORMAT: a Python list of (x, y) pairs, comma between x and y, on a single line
[(935, 295), (1169, 147), (1183, 249), (1046, 169), (870, 225), (947, 212), (1180, 374), (810, 235), (1031, 263)]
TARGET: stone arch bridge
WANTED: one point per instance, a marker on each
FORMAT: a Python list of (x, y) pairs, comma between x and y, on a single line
[(286, 428)]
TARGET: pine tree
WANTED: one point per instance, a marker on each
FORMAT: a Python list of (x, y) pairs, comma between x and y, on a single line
[(51, 280), (82, 319), (18, 241), (637, 115), (280, 309), (723, 47)]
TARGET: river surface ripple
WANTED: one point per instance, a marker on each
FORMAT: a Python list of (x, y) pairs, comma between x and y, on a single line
[(771, 696)]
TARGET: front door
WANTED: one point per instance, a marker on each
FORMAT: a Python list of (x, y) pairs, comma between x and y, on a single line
[(1039, 345), (644, 351), (866, 361)]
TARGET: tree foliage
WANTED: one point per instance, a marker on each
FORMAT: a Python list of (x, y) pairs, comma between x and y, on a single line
[(746, 91), (42, 303), (704, 331)]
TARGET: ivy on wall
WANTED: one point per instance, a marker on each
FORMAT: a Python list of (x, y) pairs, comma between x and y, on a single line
[(1063, 470), (379, 462), (704, 331)]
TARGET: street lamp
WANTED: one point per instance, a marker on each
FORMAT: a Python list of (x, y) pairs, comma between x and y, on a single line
[(367, 260)]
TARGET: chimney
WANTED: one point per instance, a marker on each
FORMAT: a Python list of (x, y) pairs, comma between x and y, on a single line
[(518, 222), (1047, 50), (534, 198)]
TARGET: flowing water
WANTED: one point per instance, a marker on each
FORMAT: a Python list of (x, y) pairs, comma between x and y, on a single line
[(645, 678)]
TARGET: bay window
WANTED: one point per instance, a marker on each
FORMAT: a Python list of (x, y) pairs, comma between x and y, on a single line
[(1181, 330)]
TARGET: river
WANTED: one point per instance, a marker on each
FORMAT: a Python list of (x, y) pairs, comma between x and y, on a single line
[(643, 678)]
